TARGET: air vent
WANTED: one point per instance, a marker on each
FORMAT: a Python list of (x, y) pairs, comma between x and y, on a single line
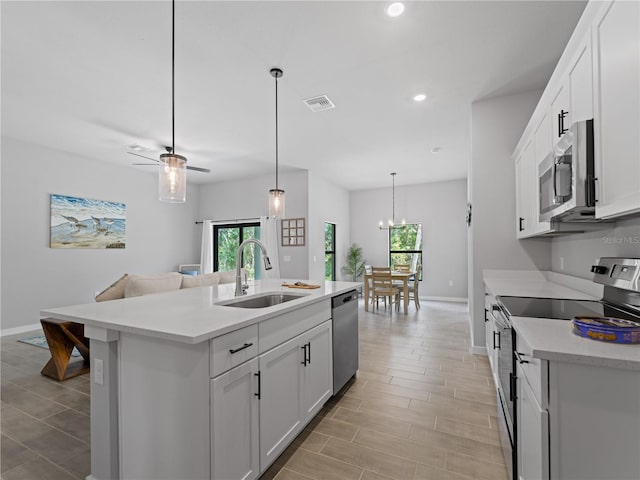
[(317, 104)]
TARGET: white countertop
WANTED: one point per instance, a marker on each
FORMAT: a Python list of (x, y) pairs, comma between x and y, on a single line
[(552, 339), (191, 315)]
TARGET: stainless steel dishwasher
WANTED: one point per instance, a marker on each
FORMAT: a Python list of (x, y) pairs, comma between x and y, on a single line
[(344, 312)]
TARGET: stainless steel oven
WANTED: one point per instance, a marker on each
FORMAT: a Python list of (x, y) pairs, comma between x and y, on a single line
[(566, 177), (503, 341)]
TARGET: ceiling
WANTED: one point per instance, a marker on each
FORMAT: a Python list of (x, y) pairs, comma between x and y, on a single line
[(91, 78)]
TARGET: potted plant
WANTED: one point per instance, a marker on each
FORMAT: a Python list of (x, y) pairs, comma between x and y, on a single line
[(355, 262)]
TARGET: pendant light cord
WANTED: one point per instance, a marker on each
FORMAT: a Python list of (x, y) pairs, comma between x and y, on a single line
[(393, 198), (173, 75), (276, 132)]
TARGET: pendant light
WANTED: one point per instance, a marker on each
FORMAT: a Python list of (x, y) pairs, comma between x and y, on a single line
[(392, 220), (276, 195), (172, 184)]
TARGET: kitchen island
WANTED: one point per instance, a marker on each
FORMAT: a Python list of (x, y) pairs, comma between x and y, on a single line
[(186, 387)]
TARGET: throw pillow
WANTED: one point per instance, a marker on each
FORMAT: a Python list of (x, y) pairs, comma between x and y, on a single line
[(230, 275), (206, 280), (113, 291), (139, 285)]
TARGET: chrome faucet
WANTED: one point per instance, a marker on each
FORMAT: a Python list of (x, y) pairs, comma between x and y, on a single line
[(240, 288)]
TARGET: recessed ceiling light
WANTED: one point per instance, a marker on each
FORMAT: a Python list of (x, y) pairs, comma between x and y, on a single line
[(137, 148), (420, 97), (436, 149), (395, 9)]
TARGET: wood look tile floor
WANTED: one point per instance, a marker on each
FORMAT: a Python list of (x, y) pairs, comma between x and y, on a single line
[(421, 407)]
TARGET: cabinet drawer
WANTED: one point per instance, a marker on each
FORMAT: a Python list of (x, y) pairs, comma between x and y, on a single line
[(232, 349), (534, 371)]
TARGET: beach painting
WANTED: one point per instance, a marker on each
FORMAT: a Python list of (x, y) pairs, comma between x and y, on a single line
[(86, 223)]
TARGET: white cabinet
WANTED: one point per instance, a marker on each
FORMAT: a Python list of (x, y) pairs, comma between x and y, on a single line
[(527, 218), (296, 380), (521, 198), (281, 411), (318, 372), (616, 41), (234, 423), (533, 433), (580, 83)]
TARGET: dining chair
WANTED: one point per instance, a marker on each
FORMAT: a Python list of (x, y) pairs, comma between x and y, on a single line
[(382, 286), (402, 267), (413, 287)]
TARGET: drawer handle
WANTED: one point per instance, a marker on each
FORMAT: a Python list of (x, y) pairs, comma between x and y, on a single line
[(236, 350), (519, 357)]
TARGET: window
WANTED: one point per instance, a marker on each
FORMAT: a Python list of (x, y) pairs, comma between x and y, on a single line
[(329, 251), (227, 239), (405, 245)]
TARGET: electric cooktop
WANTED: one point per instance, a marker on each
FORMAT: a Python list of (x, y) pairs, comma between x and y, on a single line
[(561, 309)]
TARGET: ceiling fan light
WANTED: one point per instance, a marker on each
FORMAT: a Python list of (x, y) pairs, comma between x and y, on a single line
[(172, 178), (276, 203)]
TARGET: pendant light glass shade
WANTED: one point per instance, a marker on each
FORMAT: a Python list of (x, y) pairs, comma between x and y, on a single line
[(276, 203), (172, 178)]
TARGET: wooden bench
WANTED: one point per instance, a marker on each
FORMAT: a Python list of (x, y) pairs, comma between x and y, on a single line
[(62, 336)]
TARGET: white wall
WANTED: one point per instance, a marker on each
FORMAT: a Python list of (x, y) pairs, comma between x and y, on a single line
[(496, 127), (248, 198), (440, 207), (159, 236), (580, 251), (327, 203)]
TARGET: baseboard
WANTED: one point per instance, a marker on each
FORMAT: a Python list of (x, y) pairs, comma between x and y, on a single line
[(446, 299), (478, 351), (16, 330)]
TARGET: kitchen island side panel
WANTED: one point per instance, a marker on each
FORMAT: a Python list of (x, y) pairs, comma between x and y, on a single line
[(164, 409)]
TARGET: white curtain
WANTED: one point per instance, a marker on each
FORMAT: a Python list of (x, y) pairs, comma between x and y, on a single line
[(269, 237), (206, 253)]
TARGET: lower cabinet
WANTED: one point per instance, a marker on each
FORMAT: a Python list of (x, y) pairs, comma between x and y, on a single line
[(533, 433), (258, 407), (234, 413), (296, 380), (280, 398)]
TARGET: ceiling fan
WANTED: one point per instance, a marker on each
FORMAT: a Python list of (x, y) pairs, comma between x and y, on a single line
[(169, 151)]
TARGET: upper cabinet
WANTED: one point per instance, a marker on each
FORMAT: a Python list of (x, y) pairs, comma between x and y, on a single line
[(616, 38), (597, 77)]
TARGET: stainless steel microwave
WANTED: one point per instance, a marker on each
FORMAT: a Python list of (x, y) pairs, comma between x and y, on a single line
[(566, 178)]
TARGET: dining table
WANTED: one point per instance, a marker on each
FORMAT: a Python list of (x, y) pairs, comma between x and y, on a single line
[(402, 276)]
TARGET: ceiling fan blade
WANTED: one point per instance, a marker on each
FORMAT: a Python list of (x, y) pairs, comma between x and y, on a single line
[(148, 158), (150, 164), (198, 169)]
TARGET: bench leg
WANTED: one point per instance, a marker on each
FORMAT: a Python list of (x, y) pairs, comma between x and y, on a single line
[(61, 346)]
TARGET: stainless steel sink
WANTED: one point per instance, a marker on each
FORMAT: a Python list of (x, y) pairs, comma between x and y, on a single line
[(262, 300)]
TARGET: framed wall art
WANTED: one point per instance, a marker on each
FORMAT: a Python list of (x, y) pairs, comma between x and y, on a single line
[(86, 223), (293, 232)]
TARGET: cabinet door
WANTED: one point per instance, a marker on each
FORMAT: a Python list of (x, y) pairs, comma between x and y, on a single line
[(318, 371), (521, 220), (281, 411), (533, 433), (581, 83), (234, 424), (617, 109)]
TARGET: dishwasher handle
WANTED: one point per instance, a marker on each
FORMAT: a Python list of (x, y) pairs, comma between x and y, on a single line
[(344, 299)]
